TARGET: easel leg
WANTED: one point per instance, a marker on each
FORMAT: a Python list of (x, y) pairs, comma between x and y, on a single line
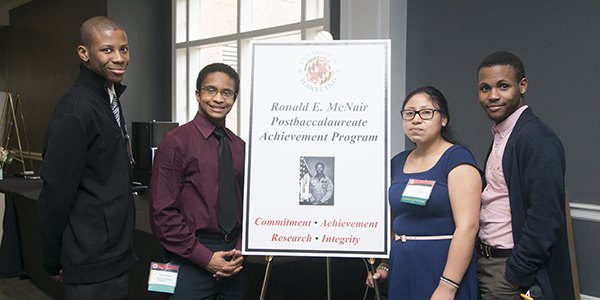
[(329, 278), (375, 283), (263, 291)]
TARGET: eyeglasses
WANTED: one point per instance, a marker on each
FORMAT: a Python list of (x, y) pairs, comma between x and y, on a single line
[(211, 91), (425, 114)]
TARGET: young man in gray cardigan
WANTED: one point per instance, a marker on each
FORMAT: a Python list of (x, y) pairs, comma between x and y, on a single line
[(522, 242)]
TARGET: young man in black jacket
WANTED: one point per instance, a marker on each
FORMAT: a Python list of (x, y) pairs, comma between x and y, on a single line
[(86, 208)]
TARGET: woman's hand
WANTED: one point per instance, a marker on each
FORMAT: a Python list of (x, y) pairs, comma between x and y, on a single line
[(444, 291), (380, 275)]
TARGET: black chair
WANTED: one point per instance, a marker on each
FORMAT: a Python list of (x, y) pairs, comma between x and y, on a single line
[(138, 188)]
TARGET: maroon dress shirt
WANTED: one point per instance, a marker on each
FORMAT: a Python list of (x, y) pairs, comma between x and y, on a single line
[(184, 188)]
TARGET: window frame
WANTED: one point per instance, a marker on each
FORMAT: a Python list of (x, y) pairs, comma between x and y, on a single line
[(307, 29)]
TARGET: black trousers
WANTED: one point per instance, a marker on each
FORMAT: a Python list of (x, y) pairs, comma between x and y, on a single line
[(112, 289), (195, 283)]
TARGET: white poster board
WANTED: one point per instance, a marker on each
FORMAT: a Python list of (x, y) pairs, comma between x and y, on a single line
[(318, 153)]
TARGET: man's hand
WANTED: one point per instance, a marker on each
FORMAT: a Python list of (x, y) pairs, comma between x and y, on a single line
[(220, 267), (59, 277)]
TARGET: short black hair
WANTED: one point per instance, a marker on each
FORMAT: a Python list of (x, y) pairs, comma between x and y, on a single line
[(503, 58), (93, 25), (219, 67)]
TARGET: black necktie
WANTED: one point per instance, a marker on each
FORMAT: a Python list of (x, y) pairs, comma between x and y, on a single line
[(227, 205)]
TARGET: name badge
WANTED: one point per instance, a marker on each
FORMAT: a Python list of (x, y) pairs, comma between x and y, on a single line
[(417, 191), (163, 277)]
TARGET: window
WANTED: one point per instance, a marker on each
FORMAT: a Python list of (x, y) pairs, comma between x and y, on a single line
[(208, 31)]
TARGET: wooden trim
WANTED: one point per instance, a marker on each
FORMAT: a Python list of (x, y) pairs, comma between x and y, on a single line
[(572, 247)]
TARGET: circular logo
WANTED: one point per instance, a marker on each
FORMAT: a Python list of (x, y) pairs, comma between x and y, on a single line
[(318, 70)]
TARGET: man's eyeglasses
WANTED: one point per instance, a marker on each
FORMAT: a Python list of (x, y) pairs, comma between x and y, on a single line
[(425, 114), (227, 94)]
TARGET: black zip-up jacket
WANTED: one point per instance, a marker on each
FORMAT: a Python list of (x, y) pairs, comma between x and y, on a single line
[(86, 207)]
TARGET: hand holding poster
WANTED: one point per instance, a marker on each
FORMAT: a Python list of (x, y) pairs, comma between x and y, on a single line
[(318, 150)]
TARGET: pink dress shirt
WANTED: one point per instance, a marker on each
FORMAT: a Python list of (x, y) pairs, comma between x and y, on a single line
[(495, 220)]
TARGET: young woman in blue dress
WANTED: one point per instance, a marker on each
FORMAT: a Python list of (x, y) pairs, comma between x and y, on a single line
[(435, 197)]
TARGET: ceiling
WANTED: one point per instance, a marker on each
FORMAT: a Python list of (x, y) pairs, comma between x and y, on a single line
[(10, 4), (5, 7)]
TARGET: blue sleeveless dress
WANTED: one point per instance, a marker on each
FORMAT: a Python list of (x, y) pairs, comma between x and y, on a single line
[(416, 266)]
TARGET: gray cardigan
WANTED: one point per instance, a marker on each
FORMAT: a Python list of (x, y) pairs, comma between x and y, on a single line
[(534, 170)]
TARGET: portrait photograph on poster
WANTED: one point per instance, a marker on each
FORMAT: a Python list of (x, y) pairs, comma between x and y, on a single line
[(318, 150), (316, 186)]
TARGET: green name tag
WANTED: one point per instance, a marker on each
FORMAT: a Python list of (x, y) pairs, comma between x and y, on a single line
[(163, 277), (417, 191)]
